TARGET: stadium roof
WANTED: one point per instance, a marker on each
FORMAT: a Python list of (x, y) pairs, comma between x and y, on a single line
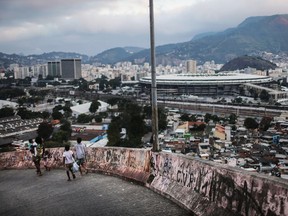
[(200, 79)]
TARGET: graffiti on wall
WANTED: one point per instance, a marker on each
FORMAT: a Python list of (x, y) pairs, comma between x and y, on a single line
[(242, 194), (185, 175)]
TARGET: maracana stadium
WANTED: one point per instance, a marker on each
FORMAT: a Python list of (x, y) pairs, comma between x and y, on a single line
[(203, 84)]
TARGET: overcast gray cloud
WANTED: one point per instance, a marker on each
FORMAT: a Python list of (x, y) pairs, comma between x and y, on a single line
[(91, 26)]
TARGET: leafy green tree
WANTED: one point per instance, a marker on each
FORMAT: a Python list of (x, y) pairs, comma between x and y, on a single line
[(49, 77), (57, 115), (264, 95), (98, 118), (61, 136), (103, 82), (11, 93), (132, 119), (265, 123), (66, 126), (49, 100), (162, 116), (45, 130), (215, 118), (115, 82), (67, 111), (24, 113), (207, 117), (113, 101), (21, 101), (238, 100), (6, 112), (94, 106), (162, 119), (57, 108), (251, 123), (83, 84), (83, 118), (185, 117), (45, 114), (103, 114), (113, 132), (232, 118)]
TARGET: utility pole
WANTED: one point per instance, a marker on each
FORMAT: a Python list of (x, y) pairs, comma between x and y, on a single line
[(153, 83)]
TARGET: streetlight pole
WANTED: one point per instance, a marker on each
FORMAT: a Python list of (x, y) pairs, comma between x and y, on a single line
[(153, 83)]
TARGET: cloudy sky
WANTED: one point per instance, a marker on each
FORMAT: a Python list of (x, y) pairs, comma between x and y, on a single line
[(92, 26)]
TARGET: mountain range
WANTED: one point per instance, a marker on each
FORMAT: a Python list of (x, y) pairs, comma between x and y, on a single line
[(251, 37)]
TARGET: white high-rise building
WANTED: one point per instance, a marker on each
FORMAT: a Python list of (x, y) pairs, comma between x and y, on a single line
[(191, 66)]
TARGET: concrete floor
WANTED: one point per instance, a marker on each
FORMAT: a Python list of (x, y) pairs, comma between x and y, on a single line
[(23, 193)]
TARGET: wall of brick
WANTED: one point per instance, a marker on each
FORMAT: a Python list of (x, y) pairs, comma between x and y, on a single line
[(201, 186)]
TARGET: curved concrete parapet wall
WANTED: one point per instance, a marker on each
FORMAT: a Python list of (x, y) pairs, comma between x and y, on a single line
[(201, 186), (125, 162), (207, 188)]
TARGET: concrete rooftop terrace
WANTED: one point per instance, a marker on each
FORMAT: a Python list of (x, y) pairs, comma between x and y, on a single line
[(23, 193)]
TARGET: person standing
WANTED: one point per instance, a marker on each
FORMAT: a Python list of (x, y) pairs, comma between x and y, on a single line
[(68, 160), (81, 155), (37, 151), (30, 143), (46, 156)]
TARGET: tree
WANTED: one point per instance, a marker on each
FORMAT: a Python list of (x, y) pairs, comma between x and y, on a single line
[(113, 132), (132, 119), (11, 93), (6, 112), (185, 117), (265, 123), (61, 136), (238, 100), (57, 115), (113, 101), (162, 119), (94, 106), (264, 95), (49, 100), (103, 82), (45, 114), (83, 118), (66, 126), (67, 111), (49, 77), (232, 118), (103, 115), (45, 130), (251, 123), (25, 114), (98, 118), (115, 82), (207, 117)]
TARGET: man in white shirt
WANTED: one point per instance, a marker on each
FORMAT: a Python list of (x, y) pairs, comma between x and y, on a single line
[(81, 155)]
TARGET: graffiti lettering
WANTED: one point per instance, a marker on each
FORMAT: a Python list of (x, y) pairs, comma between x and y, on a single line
[(167, 166), (185, 176)]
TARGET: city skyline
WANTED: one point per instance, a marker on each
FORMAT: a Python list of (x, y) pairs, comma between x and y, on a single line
[(90, 27)]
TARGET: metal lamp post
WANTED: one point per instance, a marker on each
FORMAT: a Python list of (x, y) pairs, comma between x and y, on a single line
[(153, 84)]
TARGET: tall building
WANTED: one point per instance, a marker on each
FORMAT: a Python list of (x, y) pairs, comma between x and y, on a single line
[(191, 66), (71, 68), (39, 70), (54, 68)]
